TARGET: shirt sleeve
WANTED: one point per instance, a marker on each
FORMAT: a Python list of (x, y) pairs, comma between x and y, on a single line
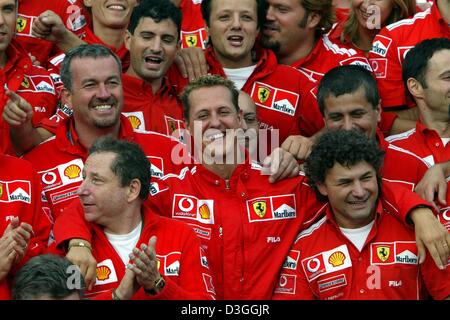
[(71, 224), (388, 70)]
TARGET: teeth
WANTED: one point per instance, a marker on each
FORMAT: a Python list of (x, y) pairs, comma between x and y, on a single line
[(103, 107), (156, 60), (116, 7)]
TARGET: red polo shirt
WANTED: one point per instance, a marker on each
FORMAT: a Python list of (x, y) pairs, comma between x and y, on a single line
[(424, 142)]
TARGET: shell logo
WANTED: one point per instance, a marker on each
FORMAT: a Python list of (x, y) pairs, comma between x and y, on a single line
[(103, 273), (72, 171), (204, 211), (135, 122), (337, 259)]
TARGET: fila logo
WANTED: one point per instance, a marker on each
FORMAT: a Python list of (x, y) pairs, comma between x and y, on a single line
[(273, 239), (394, 283)]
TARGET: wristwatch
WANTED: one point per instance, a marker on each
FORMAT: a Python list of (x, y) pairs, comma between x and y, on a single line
[(159, 285)]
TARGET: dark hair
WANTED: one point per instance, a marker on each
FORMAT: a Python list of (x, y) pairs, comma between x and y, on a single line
[(345, 80), (261, 6), (130, 162), (416, 60), (158, 10), (346, 147), (206, 82), (47, 275), (85, 51)]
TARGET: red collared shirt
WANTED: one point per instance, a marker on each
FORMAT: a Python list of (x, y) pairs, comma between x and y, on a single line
[(160, 112), (391, 45), (326, 55), (324, 264), (424, 142), (401, 165)]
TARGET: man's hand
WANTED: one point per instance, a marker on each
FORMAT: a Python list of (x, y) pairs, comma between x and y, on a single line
[(128, 286), (298, 146), (8, 249), (433, 184), (82, 257), (22, 235), (192, 63), (145, 265), (430, 233), (280, 164), (34, 60), (49, 26), (17, 110)]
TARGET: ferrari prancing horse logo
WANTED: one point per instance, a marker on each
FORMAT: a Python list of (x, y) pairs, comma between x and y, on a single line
[(383, 253), (260, 208), (263, 94), (21, 23)]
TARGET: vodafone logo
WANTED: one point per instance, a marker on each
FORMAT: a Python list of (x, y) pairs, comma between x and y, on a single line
[(49, 178), (313, 265), (186, 204), (283, 281)]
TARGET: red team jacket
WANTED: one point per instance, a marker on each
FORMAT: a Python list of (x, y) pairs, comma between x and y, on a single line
[(424, 142), (182, 262), (59, 161), (391, 45), (160, 112), (245, 224), (20, 196), (32, 83), (323, 264), (72, 14)]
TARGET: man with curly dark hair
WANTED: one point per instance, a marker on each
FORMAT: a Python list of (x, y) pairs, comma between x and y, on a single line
[(358, 250)]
